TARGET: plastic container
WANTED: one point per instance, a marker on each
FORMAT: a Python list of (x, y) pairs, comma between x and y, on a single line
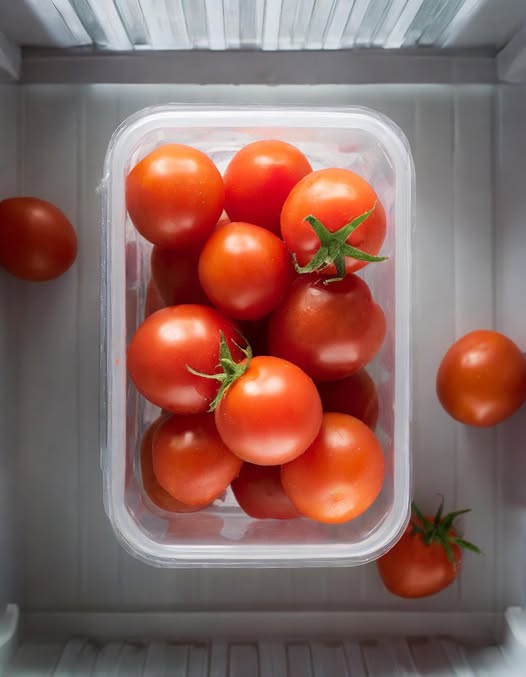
[(222, 535)]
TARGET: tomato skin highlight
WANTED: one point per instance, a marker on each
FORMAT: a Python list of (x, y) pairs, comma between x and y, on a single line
[(340, 475), (259, 492), (245, 270), (335, 197), (259, 179), (330, 331), (412, 569), (175, 196), (190, 461), (271, 414), (170, 340), (37, 241), (157, 495), (355, 395), (174, 272), (481, 380)]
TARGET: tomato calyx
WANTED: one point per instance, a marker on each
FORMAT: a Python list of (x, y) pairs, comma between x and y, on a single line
[(334, 247), (437, 530), (232, 370)]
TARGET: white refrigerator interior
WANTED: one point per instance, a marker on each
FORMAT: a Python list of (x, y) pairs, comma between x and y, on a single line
[(72, 600)]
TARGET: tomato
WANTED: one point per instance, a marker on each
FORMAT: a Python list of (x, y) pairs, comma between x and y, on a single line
[(245, 270), (190, 461), (482, 378), (166, 343), (258, 180), (153, 489), (341, 473), (175, 196), (335, 197), (37, 242), (426, 559), (153, 301), (259, 491), (355, 395), (268, 410), (330, 331), (175, 274)]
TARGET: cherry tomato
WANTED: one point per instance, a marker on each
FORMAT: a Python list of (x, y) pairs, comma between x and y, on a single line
[(355, 395), (37, 242), (330, 331), (245, 270), (153, 301), (482, 378), (190, 461), (258, 180), (153, 489), (166, 343), (175, 196), (259, 492), (174, 272), (426, 559), (271, 413), (335, 197), (341, 473)]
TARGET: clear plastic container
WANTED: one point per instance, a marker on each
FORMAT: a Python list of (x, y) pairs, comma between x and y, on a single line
[(223, 535)]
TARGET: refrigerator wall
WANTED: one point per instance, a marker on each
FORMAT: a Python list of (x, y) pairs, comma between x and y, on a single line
[(85, 604)]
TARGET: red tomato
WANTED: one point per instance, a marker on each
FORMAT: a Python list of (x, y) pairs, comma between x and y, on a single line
[(341, 473), (190, 461), (330, 331), (175, 196), (166, 343), (335, 197), (271, 413), (175, 274), (245, 270), (426, 559), (259, 492), (153, 489), (482, 378), (153, 301), (258, 180), (37, 242), (355, 395)]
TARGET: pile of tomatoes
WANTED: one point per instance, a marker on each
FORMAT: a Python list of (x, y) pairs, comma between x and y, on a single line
[(257, 331)]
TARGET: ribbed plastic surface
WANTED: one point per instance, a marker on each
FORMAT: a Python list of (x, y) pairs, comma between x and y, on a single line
[(258, 24), (441, 657)]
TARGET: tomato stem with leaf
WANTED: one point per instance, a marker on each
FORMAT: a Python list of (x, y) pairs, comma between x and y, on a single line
[(334, 247), (438, 529), (231, 370)]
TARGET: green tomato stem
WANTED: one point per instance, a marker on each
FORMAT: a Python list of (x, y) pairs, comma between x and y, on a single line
[(437, 531), (231, 370), (334, 248)]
